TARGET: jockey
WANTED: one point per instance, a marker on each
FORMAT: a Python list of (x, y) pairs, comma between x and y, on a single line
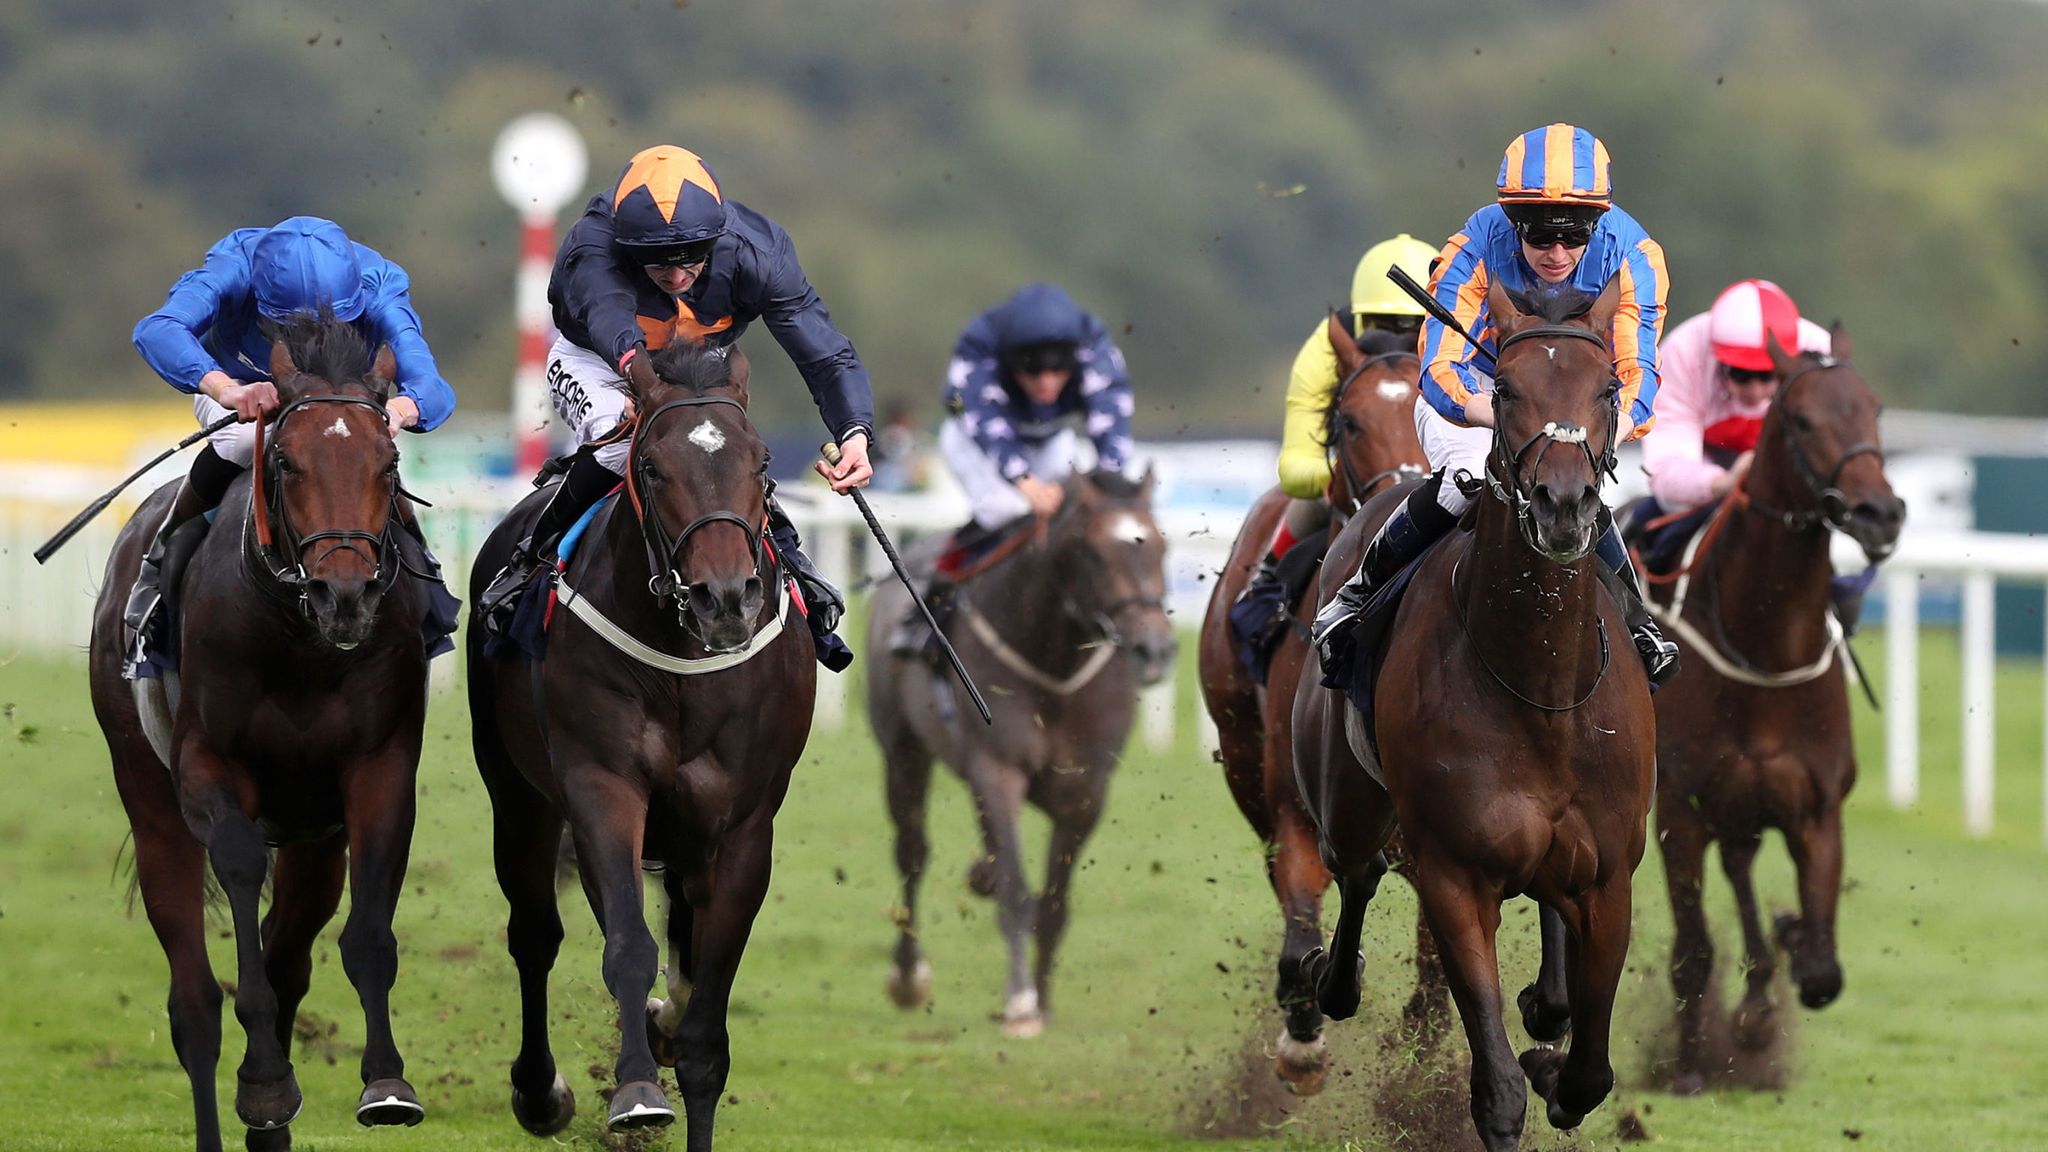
[(1554, 223), (1718, 382), (1022, 374), (662, 257), (1377, 306), (212, 338)]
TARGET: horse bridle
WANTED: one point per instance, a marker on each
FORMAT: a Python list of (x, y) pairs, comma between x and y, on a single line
[(1510, 491), (1831, 507), (662, 550), (1357, 489), (268, 506), (1103, 619)]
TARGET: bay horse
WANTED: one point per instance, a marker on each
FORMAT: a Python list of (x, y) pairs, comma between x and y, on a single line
[(1756, 735), (294, 719), (1371, 440), (1515, 755), (673, 701), (1061, 634)]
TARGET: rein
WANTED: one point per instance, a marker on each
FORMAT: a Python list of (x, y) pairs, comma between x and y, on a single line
[(1357, 491), (266, 501), (1599, 626)]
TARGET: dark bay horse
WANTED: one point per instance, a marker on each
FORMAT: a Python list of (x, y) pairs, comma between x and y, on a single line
[(294, 720), (1371, 439), (1514, 753), (1060, 635), (674, 699), (1756, 734)]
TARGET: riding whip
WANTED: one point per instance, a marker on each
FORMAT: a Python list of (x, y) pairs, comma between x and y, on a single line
[(98, 506), (1429, 304), (831, 454)]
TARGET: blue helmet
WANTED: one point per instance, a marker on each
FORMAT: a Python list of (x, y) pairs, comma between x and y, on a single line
[(304, 264)]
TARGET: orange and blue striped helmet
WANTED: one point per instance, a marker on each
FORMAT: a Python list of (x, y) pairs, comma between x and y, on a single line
[(667, 201), (1556, 164)]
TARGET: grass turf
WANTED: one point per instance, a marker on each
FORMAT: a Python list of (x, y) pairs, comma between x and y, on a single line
[(1161, 995)]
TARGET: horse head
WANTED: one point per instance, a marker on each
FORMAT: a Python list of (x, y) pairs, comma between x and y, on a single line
[(1554, 388), (1111, 557), (1369, 429), (327, 481), (698, 479), (1820, 454)]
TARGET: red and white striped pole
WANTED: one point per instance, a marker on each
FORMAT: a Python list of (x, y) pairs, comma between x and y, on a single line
[(538, 164)]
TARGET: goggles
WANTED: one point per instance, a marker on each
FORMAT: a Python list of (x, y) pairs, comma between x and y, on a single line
[(1547, 236), (1036, 358), (1751, 375), (688, 255)]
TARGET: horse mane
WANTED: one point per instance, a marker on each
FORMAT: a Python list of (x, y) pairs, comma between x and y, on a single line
[(1380, 342), (323, 346), (692, 367), (1116, 485), (1554, 303)]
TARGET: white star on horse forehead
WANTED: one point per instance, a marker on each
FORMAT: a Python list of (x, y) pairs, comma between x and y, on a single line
[(1552, 349), (1128, 527), (338, 428), (708, 437)]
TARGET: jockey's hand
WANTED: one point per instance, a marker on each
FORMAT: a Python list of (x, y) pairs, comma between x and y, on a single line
[(640, 372), (1624, 427), (1479, 410), (249, 401), (853, 470), (1044, 498), (1726, 481), (403, 412)]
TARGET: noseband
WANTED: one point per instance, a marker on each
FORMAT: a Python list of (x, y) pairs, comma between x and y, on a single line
[(662, 551), (1831, 507), (267, 507), (1359, 490), (1511, 491)]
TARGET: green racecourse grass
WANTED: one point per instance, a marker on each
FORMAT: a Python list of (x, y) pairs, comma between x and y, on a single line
[(1938, 1042)]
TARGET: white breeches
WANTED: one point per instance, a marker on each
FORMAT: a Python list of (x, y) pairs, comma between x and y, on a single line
[(235, 443), (992, 500), (590, 397), (1450, 447)]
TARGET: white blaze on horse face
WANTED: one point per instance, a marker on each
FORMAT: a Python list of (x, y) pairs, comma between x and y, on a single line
[(1392, 389), (707, 437), (1128, 527), (338, 428), (1552, 350)]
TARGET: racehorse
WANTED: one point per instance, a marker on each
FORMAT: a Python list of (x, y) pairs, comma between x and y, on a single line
[(294, 717), (673, 699), (1514, 753), (1061, 633), (1370, 436), (1756, 734)]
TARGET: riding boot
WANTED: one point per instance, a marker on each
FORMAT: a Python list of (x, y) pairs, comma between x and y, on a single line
[(1258, 620), (1846, 593), (1419, 522), (912, 636), (442, 612), (824, 603), (176, 540), (583, 485), (1660, 656)]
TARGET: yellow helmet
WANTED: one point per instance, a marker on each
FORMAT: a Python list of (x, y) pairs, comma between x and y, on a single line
[(1372, 294)]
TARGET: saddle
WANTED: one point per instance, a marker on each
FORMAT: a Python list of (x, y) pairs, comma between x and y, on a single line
[(1658, 538), (1369, 640), (1262, 617)]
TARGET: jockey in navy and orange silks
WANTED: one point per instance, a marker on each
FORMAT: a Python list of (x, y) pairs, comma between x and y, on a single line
[(664, 256), (1553, 226)]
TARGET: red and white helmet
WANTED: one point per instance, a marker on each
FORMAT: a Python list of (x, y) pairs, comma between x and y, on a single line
[(1745, 311)]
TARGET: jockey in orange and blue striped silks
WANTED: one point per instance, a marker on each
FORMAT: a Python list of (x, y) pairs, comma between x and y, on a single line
[(1553, 224)]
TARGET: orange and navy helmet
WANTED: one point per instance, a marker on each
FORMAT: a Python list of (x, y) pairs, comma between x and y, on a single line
[(667, 208), (1555, 178)]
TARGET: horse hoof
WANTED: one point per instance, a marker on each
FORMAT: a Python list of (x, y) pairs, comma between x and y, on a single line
[(1302, 1064), (267, 1106), (1022, 1017), (1541, 1066), (267, 1140), (550, 1114), (1545, 1023), (662, 1040), (639, 1105), (1688, 1083), (1337, 1001), (981, 877), (911, 990), (1562, 1120), (389, 1101), (1754, 1025)]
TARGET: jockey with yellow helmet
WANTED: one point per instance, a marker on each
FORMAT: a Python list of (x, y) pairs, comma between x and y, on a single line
[(1381, 316), (1554, 223)]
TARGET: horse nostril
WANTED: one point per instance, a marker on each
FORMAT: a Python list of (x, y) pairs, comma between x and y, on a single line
[(752, 594), (703, 602)]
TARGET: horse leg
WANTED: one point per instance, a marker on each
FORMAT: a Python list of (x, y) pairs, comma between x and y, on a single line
[(305, 888), (998, 794), (1299, 880), (1338, 973), (1464, 914), (1753, 1015), (1816, 847), (379, 807), (170, 870), (1682, 839), (1546, 1002), (526, 843), (719, 937), (908, 766), (1075, 812), (665, 1015), (1598, 952), (608, 817)]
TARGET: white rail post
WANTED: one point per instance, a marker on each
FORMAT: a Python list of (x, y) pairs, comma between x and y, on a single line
[(1902, 686), (1157, 704), (1978, 689)]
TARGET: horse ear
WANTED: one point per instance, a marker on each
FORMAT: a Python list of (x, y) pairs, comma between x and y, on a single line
[(1348, 355), (281, 366), (739, 371), (1838, 341), (1600, 317), (1507, 318), (1780, 359), (383, 369), (1148, 482)]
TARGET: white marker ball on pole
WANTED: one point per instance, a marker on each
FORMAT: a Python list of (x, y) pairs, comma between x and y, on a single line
[(539, 163)]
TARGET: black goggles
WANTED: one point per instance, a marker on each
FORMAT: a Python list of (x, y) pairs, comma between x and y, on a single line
[(1043, 358), (1751, 375), (1543, 236), (680, 256)]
